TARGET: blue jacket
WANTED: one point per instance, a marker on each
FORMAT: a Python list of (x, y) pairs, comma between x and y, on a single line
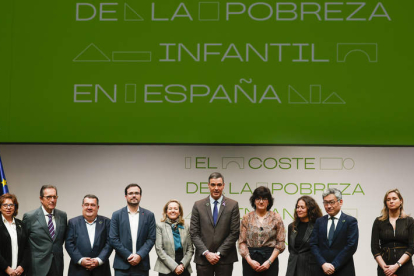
[(343, 247), (78, 246), (121, 240)]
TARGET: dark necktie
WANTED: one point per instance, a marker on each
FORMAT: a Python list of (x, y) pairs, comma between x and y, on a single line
[(215, 212), (331, 231), (51, 227)]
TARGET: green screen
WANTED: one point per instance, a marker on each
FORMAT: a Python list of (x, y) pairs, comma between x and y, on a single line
[(207, 72)]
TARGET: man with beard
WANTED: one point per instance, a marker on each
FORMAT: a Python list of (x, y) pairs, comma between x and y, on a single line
[(132, 235)]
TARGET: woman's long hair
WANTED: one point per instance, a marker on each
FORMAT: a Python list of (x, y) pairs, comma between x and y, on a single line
[(385, 211), (314, 211)]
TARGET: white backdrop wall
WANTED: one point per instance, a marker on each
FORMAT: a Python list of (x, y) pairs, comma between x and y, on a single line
[(181, 172)]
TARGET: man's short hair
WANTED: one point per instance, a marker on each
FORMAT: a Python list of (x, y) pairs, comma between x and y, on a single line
[(44, 187), (133, 185), (91, 196), (332, 191), (215, 175)]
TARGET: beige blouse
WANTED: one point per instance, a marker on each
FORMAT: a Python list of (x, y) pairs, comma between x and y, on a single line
[(270, 233)]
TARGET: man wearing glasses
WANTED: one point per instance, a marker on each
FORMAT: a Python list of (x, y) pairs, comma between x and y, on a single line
[(46, 228), (214, 230), (132, 235), (335, 237)]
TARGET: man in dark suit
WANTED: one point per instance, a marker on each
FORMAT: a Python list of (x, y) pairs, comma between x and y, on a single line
[(87, 241), (46, 228), (335, 237), (214, 230), (132, 235)]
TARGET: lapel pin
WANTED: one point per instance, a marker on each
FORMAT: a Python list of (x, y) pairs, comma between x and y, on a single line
[(207, 204), (224, 203), (100, 222), (343, 221)]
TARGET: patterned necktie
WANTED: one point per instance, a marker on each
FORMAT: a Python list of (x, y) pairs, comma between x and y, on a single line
[(215, 212), (331, 231), (51, 227)]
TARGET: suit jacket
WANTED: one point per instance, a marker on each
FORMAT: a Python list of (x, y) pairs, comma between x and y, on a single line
[(43, 248), (120, 238), (219, 238), (165, 248), (343, 247), (78, 246), (301, 260), (23, 255)]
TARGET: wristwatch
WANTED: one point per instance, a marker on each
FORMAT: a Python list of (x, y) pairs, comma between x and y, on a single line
[(270, 262), (399, 264)]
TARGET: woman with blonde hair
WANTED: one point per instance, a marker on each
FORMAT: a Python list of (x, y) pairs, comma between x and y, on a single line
[(392, 240), (173, 244)]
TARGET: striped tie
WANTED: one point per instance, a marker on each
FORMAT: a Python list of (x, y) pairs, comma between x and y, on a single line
[(51, 227)]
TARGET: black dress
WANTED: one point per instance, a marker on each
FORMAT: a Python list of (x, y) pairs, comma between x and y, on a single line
[(391, 246)]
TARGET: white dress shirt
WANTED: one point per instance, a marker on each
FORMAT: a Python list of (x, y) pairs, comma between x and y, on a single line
[(47, 218), (337, 216), (133, 223), (11, 228), (91, 227), (220, 200)]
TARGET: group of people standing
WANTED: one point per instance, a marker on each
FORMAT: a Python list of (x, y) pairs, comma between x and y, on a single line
[(318, 245)]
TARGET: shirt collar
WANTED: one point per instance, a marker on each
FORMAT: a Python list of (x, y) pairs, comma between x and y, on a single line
[(91, 223), (46, 213), (337, 216), (129, 211), (219, 200), (5, 220)]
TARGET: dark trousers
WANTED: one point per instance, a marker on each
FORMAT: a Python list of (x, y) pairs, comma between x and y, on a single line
[(260, 255), (132, 271), (217, 269), (53, 271), (179, 254)]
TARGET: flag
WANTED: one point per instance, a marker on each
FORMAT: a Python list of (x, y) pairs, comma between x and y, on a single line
[(3, 181)]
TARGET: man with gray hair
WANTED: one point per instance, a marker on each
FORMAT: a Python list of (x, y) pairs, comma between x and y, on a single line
[(335, 237)]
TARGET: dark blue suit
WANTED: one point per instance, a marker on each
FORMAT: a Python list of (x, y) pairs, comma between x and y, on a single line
[(78, 246), (343, 247), (121, 240)]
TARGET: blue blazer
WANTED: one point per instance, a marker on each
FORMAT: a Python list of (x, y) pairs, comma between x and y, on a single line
[(78, 245), (343, 247), (121, 241)]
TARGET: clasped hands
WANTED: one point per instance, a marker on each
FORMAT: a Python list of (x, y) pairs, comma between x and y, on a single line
[(179, 269), (134, 259), (14, 272), (213, 258), (89, 263), (328, 268), (257, 267), (389, 270)]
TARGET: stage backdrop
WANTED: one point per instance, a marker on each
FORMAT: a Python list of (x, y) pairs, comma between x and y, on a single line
[(181, 172), (257, 72)]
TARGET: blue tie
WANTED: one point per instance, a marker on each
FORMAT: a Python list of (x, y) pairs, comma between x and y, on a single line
[(331, 231), (215, 212)]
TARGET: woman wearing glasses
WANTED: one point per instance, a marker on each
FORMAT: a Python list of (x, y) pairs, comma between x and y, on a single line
[(173, 244), (301, 260), (262, 236), (392, 240), (14, 246)]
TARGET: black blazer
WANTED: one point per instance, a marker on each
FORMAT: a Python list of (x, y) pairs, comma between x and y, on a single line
[(23, 258), (78, 246), (301, 260)]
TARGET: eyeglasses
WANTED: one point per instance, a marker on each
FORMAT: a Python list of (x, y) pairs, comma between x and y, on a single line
[(5, 205), (332, 202), (261, 199), (51, 197), (134, 193)]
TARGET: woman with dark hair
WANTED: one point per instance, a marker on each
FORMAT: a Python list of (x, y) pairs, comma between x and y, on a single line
[(392, 240), (173, 244), (301, 260), (14, 245), (262, 236)]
